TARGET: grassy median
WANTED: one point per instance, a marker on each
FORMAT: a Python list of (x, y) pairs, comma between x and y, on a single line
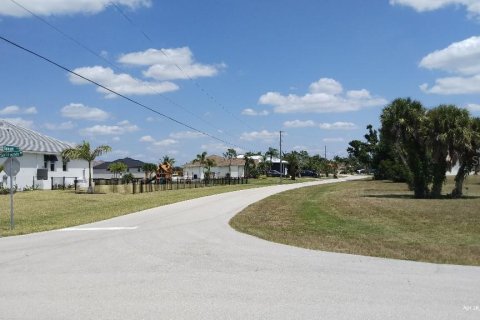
[(374, 218), (54, 209)]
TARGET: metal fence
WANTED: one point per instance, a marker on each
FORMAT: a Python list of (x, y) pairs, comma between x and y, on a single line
[(63, 183), (139, 185)]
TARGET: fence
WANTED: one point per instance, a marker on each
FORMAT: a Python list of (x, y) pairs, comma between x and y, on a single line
[(139, 185), (63, 183)]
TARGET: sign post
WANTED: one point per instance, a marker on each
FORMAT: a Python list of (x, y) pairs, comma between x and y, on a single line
[(12, 167)]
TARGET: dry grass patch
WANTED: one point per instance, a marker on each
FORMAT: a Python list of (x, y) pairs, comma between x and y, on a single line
[(374, 218)]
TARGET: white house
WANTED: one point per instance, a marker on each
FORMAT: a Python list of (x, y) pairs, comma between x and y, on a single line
[(234, 168), (41, 164)]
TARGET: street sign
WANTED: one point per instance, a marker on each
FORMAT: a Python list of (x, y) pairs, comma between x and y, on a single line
[(12, 167), (11, 149), (11, 154)]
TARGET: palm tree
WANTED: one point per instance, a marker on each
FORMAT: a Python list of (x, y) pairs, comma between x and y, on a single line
[(450, 132), (272, 152), (293, 166), (230, 154), (209, 163), (149, 168), (117, 168), (169, 160), (84, 152), (404, 128), (203, 161), (468, 158)]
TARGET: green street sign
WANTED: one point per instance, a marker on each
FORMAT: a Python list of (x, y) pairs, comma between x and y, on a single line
[(11, 154), (11, 149)]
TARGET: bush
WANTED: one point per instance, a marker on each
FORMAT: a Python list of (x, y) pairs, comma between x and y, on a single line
[(391, 170), (127, 178)]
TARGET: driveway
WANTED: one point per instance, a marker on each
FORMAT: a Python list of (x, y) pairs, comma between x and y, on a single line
[(183, 261)]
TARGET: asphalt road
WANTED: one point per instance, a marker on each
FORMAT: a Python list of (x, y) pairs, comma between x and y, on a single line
[(183, 261)]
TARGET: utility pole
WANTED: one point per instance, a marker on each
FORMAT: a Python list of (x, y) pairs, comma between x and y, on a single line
[(325, 152), (281, 164)]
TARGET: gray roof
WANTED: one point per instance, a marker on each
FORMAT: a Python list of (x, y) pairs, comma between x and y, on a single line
[(28, 140)]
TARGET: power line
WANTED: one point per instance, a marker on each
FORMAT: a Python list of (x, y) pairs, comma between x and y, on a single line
[(210, 96), (113, 91), (115, 66)]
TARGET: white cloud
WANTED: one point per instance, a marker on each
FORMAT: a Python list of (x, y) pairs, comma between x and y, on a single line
[(64, 7), (299, 124), (82, 112), (219, 148), (326, 85), (68, 125), (158, 143), (147, 139), (10, 110), (116, 139), (170, 64), (338, 126), (325, 95), (473, 107), (264, 135), (165, 142), (461, 57), (454, 85), (472, 6), (186, 135), (333, 139), (251, 112), (122, 83), (118, 129), (31, 110), (20, 122)]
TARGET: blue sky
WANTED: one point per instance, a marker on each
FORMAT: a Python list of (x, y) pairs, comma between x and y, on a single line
[(239, 71)]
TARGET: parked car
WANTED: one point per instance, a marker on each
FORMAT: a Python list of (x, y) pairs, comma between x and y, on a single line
[(273, 173), (308, 173)]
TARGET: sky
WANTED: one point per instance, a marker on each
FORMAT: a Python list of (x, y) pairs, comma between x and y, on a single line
[(210, 75)]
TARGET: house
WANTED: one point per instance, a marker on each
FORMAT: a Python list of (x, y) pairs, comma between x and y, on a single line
[(133, 166), (41, 165), (223, 168)]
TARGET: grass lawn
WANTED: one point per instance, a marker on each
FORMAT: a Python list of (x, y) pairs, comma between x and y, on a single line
[(373, 218), (54, 209)]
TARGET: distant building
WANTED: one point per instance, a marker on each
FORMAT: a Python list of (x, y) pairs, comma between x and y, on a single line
[(133, 166), (41, 164), (223, 168)]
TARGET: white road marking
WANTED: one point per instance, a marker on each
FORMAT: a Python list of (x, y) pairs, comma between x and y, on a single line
[(99, 229)]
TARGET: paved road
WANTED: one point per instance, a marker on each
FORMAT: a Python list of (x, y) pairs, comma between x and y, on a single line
[(182, 261)]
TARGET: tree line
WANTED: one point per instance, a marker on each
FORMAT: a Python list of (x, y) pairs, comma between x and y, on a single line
[(419, 146)]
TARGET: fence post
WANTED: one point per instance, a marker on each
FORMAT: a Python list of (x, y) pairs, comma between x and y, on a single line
[(52, 182)]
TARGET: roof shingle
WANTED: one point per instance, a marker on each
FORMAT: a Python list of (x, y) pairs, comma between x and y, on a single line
[(28, 140)]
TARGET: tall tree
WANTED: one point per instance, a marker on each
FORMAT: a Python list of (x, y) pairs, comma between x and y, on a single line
[(450, 134), (293, 165), (469, 158), (166, 159), (230, 155), (404, 126), (117, 168), (206, 163), (85, 152), (271, 153), (149, 169)]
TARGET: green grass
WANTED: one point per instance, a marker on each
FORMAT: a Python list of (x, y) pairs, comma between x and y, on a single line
[(373, 218), (47, 210)]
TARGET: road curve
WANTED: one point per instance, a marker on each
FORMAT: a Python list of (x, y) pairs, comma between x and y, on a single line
[(183, 261)]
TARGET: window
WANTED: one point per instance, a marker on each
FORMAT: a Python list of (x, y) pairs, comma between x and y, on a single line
[(64, 165), (52, 166)]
